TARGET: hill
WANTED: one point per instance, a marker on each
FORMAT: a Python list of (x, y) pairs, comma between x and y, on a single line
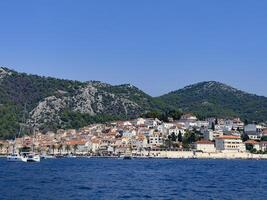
[(54, 103), (209, 99)]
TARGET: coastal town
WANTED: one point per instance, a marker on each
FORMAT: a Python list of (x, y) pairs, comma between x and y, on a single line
[(148, 137)]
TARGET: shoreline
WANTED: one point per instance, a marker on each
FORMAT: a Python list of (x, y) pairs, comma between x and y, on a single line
[(183, 155)]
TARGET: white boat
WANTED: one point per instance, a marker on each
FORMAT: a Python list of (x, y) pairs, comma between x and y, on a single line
[(71, 156), (14, 158), (48, 157), (30, 157), (126, 157)]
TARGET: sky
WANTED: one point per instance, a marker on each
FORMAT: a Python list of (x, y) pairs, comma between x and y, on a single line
[(156, 45)]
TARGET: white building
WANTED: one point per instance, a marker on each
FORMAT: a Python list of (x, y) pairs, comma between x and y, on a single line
[(156, 140), (229, 143), (253, 131), (176, 130), (211, 135), (205, 146), (263, 145)]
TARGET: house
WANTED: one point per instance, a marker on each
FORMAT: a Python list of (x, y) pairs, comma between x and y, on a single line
[(205, 146), (254, 144), (263, 145), (253, 131), (156, 139), (229, 143), (176, 130), (188, 118), (211, 135), (78, 146), (94, 144)]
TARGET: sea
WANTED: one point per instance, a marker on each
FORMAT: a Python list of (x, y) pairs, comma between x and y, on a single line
[(108, 179)]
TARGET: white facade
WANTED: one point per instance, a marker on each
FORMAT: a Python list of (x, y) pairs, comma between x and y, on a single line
[(253, 131), (155, 140), (230, 143), (211, 135), (205, 146)]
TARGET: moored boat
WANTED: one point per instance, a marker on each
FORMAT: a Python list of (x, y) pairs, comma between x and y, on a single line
[(30, 157), (14, 158)]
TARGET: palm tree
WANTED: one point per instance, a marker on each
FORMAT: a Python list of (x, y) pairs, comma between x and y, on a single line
[(59, 148), (68, 149), (75, 147), (7, 149), (1, 147), (53, 148)]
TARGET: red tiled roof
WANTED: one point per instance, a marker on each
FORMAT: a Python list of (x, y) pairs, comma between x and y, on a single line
[(251, 142), (228, 137), (204, 142)]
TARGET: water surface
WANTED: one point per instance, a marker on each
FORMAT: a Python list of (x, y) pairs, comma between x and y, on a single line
[(133, 179)]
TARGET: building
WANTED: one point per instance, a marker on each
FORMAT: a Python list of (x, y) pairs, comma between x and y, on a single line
[(156, 140), (229, 143), (254, 144), (205, 146), (188, 118), (253, 131), (263, 145), (211, 135)]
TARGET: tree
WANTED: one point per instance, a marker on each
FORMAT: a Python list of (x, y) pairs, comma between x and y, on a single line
[(1, 147), (244, 137), (75, 148), (173, 137), (213, 126), (175, 114), (168, 142), (180, 137), (59, 148), (68, 149), (53, 148)]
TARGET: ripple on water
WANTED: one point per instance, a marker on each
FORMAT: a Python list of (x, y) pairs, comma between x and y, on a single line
[(137, 179)]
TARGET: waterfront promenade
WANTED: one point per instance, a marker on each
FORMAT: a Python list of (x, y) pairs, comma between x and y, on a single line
[(200, 155)]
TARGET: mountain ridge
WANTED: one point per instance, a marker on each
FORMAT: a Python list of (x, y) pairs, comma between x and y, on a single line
[(205, 97), (59, 103)]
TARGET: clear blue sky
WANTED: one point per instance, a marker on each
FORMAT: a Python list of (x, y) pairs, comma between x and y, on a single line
[(158, 46)]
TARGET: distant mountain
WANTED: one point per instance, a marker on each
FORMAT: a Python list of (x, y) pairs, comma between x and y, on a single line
[(212, 98), (55, 103)]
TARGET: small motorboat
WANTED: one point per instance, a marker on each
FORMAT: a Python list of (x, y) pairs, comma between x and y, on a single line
[(71, 156), (48, 157), (14, 158), (125, 157)]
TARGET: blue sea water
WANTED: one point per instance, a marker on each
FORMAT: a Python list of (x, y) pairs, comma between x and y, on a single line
[(133, 179)]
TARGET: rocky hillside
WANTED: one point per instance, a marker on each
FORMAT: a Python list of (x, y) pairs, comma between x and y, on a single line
[(53, 103), (216, 99)]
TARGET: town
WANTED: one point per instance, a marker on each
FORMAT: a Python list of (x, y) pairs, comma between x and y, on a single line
[(187, 137)]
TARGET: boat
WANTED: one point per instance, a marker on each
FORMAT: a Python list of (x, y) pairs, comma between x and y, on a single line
[(125, 157), (30, 157), (14, 158), (48, 157), (71, 156)]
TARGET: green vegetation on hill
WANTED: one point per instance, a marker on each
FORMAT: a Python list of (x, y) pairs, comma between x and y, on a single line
[(209, 99), (75, 104), (20, 89)]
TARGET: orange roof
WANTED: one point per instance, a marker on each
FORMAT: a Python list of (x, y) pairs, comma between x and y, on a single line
[(76, 142), (229, 137), (251, 142), (204, 142)]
